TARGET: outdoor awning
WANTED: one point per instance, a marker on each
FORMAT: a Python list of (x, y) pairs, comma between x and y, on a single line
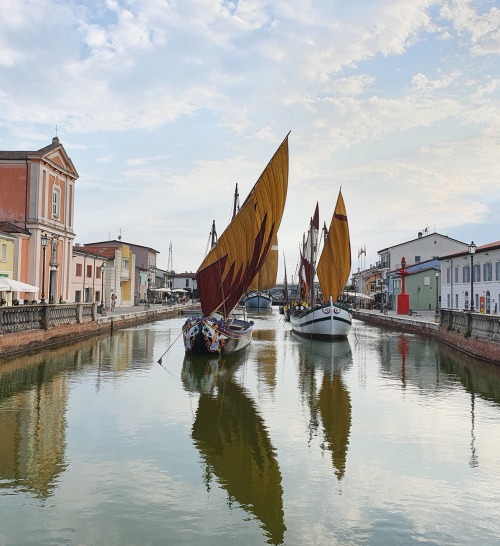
[(11, 285), (165, 290), (358, 295)]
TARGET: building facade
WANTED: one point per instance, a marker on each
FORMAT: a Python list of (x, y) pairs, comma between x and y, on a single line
[(119, 272), (472, 281), (38, 189)]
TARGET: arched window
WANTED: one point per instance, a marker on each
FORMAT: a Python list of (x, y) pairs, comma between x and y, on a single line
[(56, 200), (466, 300)]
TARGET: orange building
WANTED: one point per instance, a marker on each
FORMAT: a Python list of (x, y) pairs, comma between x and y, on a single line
[(37, 191)]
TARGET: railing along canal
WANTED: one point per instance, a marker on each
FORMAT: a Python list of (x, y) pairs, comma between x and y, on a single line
[(476, 325), (42, 317)]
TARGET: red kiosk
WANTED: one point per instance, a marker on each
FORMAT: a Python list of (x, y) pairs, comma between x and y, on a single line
[(403, 307)]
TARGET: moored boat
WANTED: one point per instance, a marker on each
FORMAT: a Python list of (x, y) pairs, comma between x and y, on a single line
[(258, 300), (234, 260), (327, 319)]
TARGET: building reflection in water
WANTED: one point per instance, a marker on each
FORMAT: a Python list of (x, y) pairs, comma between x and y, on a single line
[(325, 392), (33, 403), (234, 442), (264, 347), (34, 394)]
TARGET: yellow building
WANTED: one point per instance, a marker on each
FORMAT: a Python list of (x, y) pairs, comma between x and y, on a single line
[(7, 245)]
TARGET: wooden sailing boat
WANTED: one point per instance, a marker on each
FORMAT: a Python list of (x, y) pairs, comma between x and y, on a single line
[(327, 319), (234, 261), (258, 296)]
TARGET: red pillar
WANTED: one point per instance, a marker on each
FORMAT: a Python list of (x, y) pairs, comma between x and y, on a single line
[(403, 307)]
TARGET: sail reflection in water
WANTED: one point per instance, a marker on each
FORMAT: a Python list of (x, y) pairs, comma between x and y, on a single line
[(329, 403), (233, 440)]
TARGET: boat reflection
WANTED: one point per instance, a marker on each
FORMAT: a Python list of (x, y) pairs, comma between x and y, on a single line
[(324, 391), (235, 445)]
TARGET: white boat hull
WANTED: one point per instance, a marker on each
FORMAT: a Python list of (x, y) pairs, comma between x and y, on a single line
[(209, 336), (324, 322), (258, 300)]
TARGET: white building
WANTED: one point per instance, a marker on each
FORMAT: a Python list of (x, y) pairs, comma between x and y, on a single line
[(457, 284)]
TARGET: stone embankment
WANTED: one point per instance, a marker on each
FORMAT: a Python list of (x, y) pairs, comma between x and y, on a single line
[(24, 329), (474, 334)]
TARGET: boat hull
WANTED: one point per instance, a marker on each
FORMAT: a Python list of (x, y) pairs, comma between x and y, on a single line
[(209, 336), (258, 300), (323, 322)]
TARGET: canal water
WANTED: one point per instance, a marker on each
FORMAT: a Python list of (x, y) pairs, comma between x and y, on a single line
[(386, 438)]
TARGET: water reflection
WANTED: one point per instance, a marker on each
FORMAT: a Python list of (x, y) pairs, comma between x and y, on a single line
[(323, 363), (265, 350), (34, 395), (234, 442), (33, 402)]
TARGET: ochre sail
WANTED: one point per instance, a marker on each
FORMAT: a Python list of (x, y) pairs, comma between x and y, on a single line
[(268, 274), (334, 266), (228, 269)]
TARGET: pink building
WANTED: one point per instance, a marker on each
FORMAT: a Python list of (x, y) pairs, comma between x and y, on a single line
[(37, 189)]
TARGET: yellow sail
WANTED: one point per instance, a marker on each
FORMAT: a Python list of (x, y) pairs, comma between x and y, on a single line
[(334, 266), (241, 251), (268, 274)]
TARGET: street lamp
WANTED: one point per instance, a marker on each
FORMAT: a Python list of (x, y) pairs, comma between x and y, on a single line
[(437, 292), (472, 251), (45, 242), (193, 288), (102, 267)]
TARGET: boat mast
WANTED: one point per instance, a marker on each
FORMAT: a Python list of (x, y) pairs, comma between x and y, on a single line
[(236, 202), (213, 235), (311, 235)]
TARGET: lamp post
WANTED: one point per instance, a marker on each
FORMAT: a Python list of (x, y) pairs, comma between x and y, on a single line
[(472, 251), (193, 288), (102, 267), (45, 242), (437, 292)]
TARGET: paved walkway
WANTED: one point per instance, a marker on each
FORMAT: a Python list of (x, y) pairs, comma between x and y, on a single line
[(121, 310), (418, 316)]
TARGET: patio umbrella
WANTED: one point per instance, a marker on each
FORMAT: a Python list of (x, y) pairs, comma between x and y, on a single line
[(11, 285)]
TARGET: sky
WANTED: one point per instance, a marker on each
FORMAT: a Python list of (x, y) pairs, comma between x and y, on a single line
[(164, 105)]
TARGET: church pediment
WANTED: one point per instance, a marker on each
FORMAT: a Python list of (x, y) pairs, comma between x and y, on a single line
[(60, 158)]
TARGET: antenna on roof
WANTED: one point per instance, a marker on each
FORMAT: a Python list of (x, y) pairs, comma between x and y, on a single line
[(120, 235), (56, 131)]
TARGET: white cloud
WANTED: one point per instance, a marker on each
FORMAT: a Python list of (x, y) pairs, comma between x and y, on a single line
[(183, 100)]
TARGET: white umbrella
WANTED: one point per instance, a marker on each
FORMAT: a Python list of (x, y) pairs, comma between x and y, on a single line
[(179, 291), (11, 285), (161, 290)]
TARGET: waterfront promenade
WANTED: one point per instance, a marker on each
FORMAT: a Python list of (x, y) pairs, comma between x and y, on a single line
[(24, 330), (453, 329)]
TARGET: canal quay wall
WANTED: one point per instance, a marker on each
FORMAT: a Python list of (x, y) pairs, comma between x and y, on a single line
[(475, 334), (31, 327)]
